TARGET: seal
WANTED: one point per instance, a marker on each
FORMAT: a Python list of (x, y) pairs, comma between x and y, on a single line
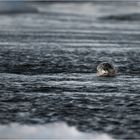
[(106, 69)]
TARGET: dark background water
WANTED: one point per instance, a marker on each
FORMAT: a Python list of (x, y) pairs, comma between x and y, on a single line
[(48, 63)]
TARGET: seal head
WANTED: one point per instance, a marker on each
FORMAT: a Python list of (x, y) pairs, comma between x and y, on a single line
[(106, 69)]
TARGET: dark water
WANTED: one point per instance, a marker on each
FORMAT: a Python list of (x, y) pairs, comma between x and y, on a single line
[(48, 66)]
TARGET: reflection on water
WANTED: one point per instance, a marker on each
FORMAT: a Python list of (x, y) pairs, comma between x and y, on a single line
[(50, 131)]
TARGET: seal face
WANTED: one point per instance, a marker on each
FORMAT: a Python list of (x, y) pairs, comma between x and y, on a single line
[(106, 69)]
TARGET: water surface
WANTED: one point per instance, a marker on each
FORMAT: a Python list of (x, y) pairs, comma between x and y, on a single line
[(48, 66)]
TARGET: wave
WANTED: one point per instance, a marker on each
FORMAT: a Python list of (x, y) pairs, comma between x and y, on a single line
[(122, 17), (15, 7)]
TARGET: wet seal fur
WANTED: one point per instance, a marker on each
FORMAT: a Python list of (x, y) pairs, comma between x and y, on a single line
[(106, 69)]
